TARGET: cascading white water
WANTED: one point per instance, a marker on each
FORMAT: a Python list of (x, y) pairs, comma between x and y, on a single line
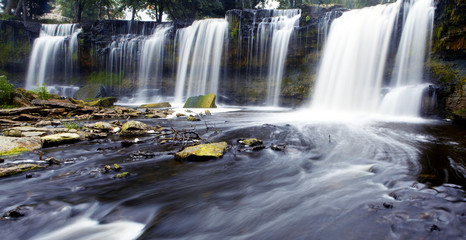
[(409, 66), (353, 62), (53, 53), (123, 53), (274, 35), (200, 48), (151, 65), (351, 72)]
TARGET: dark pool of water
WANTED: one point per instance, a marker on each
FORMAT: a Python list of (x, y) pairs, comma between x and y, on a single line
[(373, 180)]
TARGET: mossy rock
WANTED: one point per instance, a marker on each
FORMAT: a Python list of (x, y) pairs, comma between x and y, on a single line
[(156, 105), (135, 125), (250, 142), (100, 102), (13, 151), (90, 91), (203, 152), (9, 171), (202, 101), (193, 118)]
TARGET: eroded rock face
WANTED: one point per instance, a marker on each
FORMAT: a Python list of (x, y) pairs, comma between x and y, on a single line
[(203, 152)]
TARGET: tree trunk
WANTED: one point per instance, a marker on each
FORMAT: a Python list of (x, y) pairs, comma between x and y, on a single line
[(78, 9), (8, 6)]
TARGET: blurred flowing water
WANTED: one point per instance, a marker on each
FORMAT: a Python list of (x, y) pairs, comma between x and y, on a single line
[(352, 178)]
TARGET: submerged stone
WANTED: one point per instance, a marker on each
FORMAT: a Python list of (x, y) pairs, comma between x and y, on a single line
[(202, 101), (250, 142), (203, 151)]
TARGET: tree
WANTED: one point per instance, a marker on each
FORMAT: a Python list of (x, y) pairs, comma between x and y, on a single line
[(89, 9)]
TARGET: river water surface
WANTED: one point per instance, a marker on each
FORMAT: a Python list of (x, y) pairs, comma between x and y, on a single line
[(349, 178)]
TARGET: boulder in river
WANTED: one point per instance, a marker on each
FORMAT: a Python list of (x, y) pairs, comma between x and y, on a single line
[(135, 125), (91, 91), (202, 101), (156, 105), (203, 151), (61, 138)]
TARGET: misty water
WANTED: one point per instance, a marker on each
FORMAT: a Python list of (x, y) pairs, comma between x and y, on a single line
[(349, 178)]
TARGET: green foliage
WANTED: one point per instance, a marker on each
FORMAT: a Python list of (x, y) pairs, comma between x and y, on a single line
[(42, 92), (447, 74), (6, 90)]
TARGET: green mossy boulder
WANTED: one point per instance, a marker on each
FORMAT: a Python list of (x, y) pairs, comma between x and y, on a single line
[(90, 91), (202, 101), (156, 105), (203, 151), (100, 102)]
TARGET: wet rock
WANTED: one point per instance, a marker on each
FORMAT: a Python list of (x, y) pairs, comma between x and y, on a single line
[(13, 170), (250, 141), (107, 168), (180, 115), (207, 112), (16, 111), (156, 115), (156, 105), (55, 103), (61, 138), (142, 154), (100, 102), (135, 125), (388, 205), (43, 123), (122, 175), (203, 151), (25, 117), (116, 167), (11, 145), (193, 118), (278, 147), (52, 161), (18, 212), (202, 101), (105, 126), (91, 91)]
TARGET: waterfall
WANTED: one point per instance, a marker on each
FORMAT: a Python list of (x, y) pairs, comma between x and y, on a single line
[(151, 66), (122, 58), (353, 62), (409, 66), (53, 57), (200, 48), (274, 36), (350, 77)]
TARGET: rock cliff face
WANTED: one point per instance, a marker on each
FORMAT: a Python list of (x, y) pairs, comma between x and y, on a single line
[(448, 64)]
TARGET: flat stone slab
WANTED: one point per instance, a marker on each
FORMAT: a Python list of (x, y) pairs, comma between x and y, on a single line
[(8, 144), (61, 138), (16, 111)]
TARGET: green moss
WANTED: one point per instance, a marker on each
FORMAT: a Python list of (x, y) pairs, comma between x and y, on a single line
[(14, 151), (4, 172), (122, 175)]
